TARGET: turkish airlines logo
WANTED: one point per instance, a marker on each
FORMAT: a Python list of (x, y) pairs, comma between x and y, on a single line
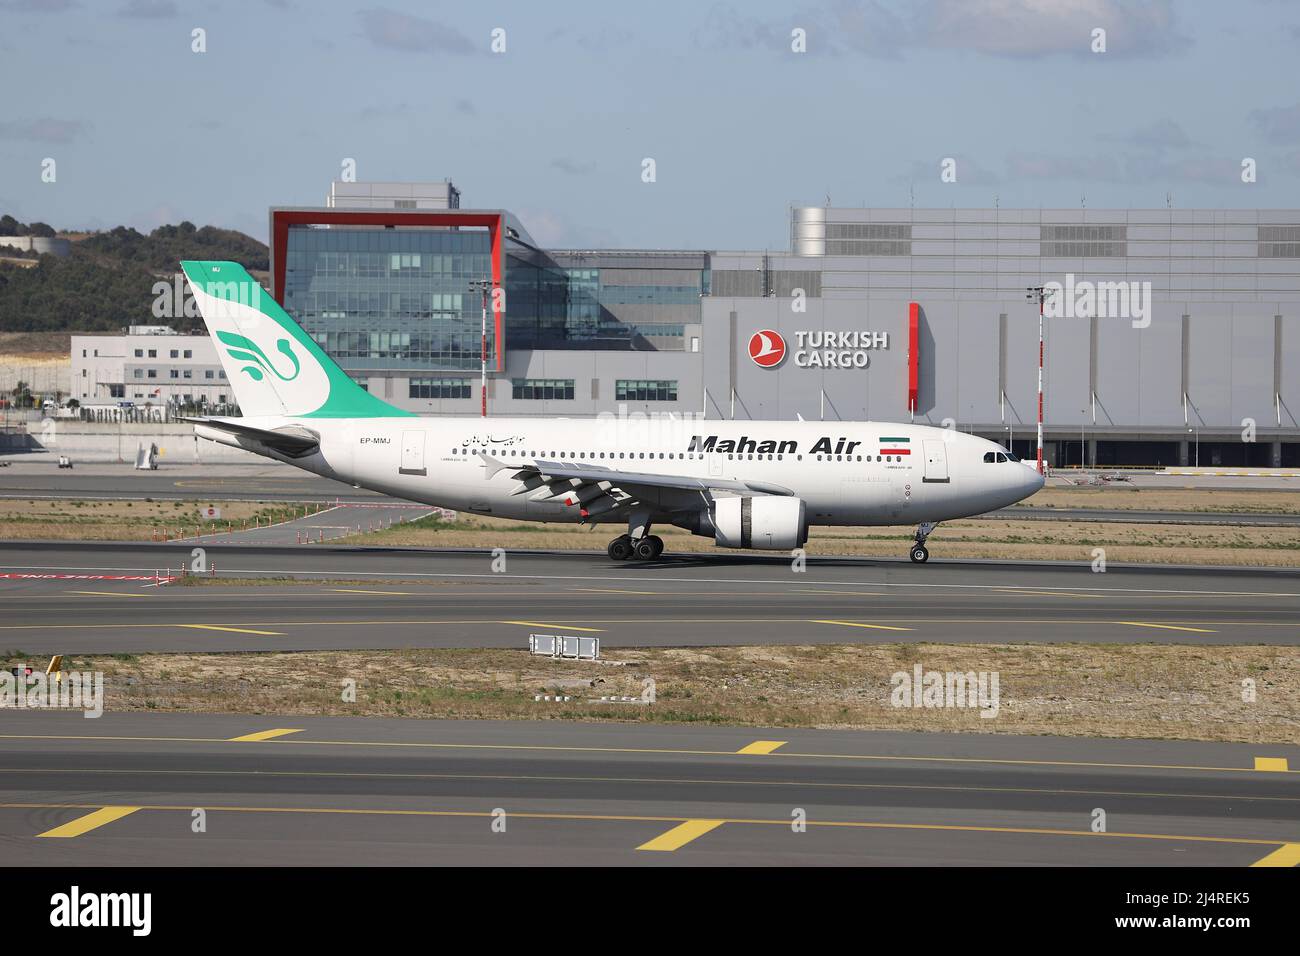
[(767, 348)]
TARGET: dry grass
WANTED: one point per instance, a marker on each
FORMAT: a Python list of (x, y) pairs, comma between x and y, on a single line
[(1111, 690), (126, 520), (1122, 498)]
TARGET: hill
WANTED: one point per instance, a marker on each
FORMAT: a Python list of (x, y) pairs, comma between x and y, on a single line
[(107, 282)]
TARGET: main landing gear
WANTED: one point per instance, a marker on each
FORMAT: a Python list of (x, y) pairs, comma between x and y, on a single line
[(919, 554), (645, 548)]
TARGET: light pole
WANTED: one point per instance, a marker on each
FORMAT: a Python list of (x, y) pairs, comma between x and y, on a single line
[(482, 286), (1039, 293), (1083, 448)]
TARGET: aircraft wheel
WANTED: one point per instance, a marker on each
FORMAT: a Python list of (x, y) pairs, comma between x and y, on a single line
[(620, 549), (658, 543), (645, 550), (919, 555)]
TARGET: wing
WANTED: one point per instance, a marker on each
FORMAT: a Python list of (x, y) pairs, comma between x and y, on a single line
[(597, 489)]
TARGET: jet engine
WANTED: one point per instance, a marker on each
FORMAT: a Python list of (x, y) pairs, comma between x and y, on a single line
[(766, 522)]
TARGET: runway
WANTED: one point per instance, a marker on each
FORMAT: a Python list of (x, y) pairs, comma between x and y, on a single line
[(126, 789), (64, 598)]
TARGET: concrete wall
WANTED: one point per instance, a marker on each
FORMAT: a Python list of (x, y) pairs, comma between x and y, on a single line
[(90, 442)]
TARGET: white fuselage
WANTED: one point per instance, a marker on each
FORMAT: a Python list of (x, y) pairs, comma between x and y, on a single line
[(847, 473)]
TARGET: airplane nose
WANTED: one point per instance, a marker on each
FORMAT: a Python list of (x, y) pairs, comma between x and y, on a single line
[(1035, 480)]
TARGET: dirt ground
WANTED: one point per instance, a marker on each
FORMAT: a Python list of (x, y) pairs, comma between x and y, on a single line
[(128, 520), (1147, 691)]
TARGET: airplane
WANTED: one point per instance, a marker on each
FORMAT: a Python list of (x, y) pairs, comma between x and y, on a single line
[(746, 484)]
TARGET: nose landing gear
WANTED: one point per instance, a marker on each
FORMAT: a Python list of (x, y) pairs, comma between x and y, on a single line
[(919, 554)]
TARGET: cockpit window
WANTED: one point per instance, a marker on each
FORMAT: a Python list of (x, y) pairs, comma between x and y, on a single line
[(996, 456)]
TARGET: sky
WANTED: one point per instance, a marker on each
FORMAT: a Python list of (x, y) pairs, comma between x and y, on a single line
[(556, 123)]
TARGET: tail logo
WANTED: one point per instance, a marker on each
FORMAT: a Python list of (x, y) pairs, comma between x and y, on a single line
[(244, 349)]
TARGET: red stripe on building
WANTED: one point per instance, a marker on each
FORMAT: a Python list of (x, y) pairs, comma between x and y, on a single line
[(913, 354)]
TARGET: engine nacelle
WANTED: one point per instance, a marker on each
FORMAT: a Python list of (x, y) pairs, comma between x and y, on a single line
[(768, 522)]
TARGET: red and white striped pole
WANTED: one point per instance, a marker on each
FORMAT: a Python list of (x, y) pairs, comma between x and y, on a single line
[(1040, 382), (482, 286), (1040, 293)]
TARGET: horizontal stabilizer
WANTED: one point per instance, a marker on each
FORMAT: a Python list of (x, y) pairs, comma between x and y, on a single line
[(293, 441)]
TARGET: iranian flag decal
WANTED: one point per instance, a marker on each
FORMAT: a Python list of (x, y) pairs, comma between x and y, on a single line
[(895, 446)]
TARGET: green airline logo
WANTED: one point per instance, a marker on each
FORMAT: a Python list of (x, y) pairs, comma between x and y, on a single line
[(244, 349)]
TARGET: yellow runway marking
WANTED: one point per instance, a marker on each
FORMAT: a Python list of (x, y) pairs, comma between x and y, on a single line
[(761, 747), (904, 758), (90, 822), (875, 627), (610, 591), (680, 835), (107, 593), (266, 734), (367, 591), (711, 824), (1168, 627), (1273, 764), (1045, 593), (237, 630), (825, 591), (1286, 855), (567, 627)]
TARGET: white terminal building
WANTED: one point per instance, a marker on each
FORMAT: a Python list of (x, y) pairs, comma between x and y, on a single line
[(150, 366)]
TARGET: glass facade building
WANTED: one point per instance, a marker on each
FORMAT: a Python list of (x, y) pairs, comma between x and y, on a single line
[(378, 298), (399, 298)]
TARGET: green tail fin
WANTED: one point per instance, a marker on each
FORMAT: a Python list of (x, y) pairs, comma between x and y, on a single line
[(274, 367)]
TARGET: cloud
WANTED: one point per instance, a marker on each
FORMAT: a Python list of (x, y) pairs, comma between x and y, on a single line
[(1035, 28), (1279, 124), (1125, 168), (38, 6), (1044, 166), (1016, 29), (43, 129), (149, 9), (969, 173), (409, 34), (466, 108), (572, 167), (553, 230), (1162, 134)]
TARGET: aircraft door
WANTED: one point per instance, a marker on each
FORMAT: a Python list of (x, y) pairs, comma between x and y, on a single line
[(412, 454), (936, 461), (715, 465)]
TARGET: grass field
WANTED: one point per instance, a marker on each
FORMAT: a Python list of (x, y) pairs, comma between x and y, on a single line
[(1107, 690)]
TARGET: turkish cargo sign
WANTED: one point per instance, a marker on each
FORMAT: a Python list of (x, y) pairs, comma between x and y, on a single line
[(767, 348), (837, 349), (816, 348)]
